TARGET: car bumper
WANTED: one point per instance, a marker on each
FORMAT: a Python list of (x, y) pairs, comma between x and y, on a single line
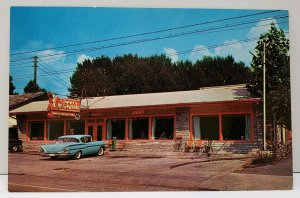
[(54, 154)]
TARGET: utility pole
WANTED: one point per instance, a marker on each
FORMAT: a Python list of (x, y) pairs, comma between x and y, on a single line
[(35, 61), (264, 96)]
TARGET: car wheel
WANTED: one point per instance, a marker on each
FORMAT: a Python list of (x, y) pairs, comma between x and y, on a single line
[(78, 155), (100, 151)]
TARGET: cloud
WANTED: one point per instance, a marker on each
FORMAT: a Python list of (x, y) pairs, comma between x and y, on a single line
[(83, 57), (171, 53), (239, 50), (198, 52), (261, 27), (52, 56)]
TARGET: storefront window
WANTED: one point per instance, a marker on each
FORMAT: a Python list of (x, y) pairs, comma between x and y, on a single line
[(163, 127), (90, 130), (36, 130), (138, 128), (236, 127), (206, 127), (76, 127), (55, 129), (115, 128)]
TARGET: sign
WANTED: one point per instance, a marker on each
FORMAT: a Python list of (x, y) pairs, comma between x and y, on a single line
[(134, 112), (63, 107)]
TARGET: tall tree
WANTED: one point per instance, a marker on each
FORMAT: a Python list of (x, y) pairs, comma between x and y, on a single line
[(131, 74), (93, 76), (217, 71), (11, 86), (277, 64), (32, 88)]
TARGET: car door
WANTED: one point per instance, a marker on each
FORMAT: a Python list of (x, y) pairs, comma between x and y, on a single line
[(90, 147)]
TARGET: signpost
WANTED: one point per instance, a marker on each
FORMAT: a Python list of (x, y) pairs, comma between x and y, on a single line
[(63, 107)]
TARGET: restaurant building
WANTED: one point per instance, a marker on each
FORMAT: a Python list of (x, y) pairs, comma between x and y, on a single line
[(226, 115)]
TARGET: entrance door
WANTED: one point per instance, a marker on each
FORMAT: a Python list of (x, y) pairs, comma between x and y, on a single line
[(90, 130), (99, 132)]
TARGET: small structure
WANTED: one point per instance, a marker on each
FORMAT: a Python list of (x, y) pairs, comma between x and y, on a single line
[(16, 101), (226, 115)]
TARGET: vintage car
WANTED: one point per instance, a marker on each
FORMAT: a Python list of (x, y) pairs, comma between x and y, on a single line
[(73, 146), (14, 144)]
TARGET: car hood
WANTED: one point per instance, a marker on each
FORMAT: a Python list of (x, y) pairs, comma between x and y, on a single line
[(57, 147)]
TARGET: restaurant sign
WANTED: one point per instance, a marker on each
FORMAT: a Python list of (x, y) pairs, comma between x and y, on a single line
[(63, 107)]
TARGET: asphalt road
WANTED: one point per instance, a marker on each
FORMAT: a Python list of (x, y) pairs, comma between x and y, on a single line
[(121, 172)]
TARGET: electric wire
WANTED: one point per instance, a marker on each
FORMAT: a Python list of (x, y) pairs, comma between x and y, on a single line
[(147, 33), (168, 54), (148, 39), (49, 68)]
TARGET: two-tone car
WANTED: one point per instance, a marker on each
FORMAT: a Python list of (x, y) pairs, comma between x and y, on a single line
[(73, 146)]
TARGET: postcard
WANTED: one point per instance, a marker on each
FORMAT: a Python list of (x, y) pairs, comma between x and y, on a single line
[(149, 99)]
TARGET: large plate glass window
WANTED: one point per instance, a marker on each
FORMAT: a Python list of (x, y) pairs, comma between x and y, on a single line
[(76, 127), (162, 127), (55, 129), (36, 130), (206, 127), (138, 128), (236, 127), (115, 128)]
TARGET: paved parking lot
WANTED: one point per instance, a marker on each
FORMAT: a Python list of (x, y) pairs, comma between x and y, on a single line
[(121, 171)]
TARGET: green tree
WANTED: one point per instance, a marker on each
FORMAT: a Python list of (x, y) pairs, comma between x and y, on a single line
[(277, 64), (11, 86), (93, 76), (217, 71), (32, 88), (131, 74)]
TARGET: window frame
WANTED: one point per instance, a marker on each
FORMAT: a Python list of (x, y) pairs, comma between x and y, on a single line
[(220, 114), (29, 122), (139, 117), (250, 126), (125, 127), (152, 132), (47, 128), (206, 115)]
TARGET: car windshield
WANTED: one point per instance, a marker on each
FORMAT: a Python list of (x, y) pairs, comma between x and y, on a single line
[(86, 139), (60, 140)]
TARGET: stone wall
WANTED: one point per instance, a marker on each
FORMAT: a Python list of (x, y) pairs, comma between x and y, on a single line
[(258, 124), (182, 127)]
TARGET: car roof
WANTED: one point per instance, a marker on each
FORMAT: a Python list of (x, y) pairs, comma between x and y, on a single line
[(74, 136)]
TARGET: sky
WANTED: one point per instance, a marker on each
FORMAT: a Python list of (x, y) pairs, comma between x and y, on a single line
[(61, 37)]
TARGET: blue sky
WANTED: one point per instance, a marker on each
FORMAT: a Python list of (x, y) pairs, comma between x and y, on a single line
[(38, 28)]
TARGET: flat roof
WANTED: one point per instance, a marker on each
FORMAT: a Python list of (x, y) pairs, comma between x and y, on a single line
[(203, 95)]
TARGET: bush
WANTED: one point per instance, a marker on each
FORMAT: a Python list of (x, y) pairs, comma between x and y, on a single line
[(264, 157)]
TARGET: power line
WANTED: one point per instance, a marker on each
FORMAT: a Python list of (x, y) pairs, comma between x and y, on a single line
[(19, 66), (148, 33), (170, 54), (48, 67), (58, 72), (54, 77), (150, 39), (213, 46)]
